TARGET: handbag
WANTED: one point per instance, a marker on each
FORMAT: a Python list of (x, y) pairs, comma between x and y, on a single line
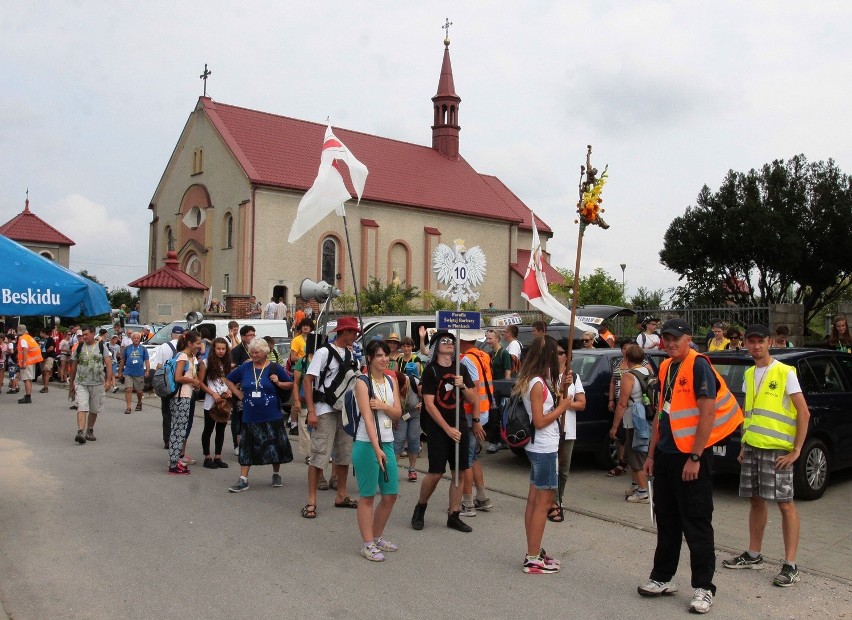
[(221, 411)]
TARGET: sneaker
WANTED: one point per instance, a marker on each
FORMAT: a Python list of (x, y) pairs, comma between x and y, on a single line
[(276, 480), (209, 464), (412, 475), (701, 601), (787, 577), (547, 559), (90, 435), (492, 448), (242, 485), (220, 463), (417, 517), (631, 490), (639, 497), (454, 523), (744, 560), (385, 545), (485, 504), (657, 588), (372, 552), (26, 400), (535, 565), (79, 438), (179, 470), (467, 511)]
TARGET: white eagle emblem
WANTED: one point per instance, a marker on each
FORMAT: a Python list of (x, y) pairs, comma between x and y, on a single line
[(460, 269)]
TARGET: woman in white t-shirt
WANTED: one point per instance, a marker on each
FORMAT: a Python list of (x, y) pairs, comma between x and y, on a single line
[(649, 339), (569, 387), (535, 384), (377, 395)]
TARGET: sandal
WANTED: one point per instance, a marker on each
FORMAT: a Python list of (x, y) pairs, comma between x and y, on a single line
[(323, 484), (126, 411), (617, 470), (138, 406), (309, 511), (346, 502), (555, 513)]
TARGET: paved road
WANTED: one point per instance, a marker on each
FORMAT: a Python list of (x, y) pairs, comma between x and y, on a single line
[(100, 530)]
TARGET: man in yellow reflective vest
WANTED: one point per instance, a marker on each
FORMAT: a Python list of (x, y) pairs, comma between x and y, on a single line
[(774, 429), (696, 411)]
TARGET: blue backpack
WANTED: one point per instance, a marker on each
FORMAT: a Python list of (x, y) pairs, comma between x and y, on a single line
[(351, 414), (163, 381)]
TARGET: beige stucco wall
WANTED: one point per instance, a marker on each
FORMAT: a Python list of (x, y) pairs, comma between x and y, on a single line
[(60, 253), (163, 305)]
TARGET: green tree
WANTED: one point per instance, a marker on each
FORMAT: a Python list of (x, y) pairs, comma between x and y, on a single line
[(646, 299), (118, 296), (391, 299), (596, 288), (780, 234), (90, 276)]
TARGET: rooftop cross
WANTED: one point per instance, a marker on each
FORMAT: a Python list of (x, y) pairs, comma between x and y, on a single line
[(446, 29), (204, 77)]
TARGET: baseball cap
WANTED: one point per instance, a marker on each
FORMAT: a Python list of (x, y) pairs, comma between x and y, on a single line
[(177, 329), (676, 327), (756, 329)]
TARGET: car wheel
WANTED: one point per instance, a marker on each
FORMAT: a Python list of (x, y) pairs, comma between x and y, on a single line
[(607, 455), (811, 471)]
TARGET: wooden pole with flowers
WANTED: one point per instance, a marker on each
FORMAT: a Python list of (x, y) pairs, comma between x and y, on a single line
[(588, 211)]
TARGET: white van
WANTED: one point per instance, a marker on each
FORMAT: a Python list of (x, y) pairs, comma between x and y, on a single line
[(402, 325), (219, 328)]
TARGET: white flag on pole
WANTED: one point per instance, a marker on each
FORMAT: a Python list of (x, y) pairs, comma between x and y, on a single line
[(328, 191)]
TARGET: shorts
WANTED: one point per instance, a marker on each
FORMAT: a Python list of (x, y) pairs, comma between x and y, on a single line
[(369, 475), (90, 398), (759, 478), (47, 364), (28, 373), (137, 384), (543, 471), (635, 458), (442, 451), (329, 438), (473, 449)]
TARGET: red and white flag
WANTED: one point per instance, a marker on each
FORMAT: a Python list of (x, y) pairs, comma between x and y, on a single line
[(534, 288), (328, 191)]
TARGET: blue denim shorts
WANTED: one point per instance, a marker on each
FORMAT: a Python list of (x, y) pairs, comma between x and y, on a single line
[(543, 472)]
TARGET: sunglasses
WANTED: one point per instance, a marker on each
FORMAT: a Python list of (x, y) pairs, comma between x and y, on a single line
[(445, 341), (586, 340), (517, 437)]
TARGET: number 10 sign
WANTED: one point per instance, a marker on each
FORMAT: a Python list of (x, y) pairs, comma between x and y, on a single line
[(460, 269)]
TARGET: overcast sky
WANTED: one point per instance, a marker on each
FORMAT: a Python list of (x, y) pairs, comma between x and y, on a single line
[(93, 96)]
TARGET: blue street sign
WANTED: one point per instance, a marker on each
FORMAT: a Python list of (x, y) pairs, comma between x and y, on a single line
[(457, 319)]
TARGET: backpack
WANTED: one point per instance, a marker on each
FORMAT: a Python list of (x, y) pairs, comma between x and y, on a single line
[(516, 428), (163, 380), (351, 413), (650, 386), (80, 350), (335, 394)]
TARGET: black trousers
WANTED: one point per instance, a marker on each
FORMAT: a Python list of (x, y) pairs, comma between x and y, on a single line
[(684, 510), (165, 409), (236, 421), (209, 425)]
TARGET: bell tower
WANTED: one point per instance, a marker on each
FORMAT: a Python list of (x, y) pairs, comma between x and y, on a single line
[(445, 103)]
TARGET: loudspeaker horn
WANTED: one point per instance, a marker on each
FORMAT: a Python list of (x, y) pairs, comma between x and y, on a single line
[(320, 291), (194, 317)]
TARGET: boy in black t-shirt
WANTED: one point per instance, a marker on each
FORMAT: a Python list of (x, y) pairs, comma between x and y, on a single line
[(439, 384)]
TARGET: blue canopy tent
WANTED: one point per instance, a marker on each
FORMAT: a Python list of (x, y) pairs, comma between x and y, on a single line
[(33, 285)]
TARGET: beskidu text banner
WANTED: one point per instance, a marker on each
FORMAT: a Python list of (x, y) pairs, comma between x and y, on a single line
[(31, 297)]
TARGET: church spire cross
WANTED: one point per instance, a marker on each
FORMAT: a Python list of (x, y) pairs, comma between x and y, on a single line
[(204, 77), (446, 29), (27, 202)]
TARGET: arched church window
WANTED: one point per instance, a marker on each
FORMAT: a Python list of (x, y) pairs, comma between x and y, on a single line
[(329, 260)]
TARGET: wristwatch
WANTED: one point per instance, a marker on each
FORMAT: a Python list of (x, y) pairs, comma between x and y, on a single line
[(694, 457), (476, 420)]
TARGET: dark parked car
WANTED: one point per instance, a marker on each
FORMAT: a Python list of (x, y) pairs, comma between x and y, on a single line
[(594, 366), (826, 380)]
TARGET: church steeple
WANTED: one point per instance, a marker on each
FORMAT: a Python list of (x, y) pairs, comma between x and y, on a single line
[(445, 130)]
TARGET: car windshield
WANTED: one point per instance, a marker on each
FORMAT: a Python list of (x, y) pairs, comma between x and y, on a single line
[(165, 334), (582, 364), (732, 373)]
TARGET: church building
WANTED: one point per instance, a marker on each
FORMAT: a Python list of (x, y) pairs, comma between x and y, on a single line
[(229, 194)]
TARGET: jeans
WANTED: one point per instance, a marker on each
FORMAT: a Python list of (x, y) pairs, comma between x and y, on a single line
[(407, 430), (684, 510)]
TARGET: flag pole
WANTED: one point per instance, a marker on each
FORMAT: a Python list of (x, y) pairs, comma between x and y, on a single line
[(352, 267)]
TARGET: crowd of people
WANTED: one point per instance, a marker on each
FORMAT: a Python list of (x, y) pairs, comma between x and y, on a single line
[(402, 395)]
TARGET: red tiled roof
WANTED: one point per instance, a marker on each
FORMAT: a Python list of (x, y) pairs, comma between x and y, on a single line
[(515, 203), (168, 276), (284, 152), (553, 276), (27, 226)]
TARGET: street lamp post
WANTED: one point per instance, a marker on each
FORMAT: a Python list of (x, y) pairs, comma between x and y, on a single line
[(623, 267)]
